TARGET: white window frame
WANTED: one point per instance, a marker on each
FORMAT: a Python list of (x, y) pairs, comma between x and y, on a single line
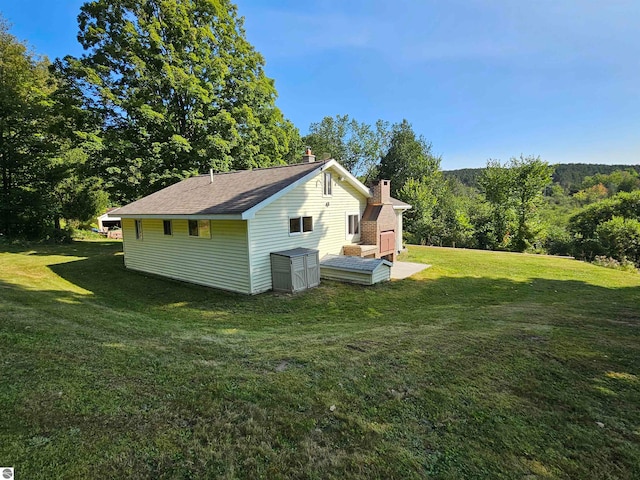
[(170, 234), (353, 237), (327, 185), (201, 228), (138, 228), (301, 219)]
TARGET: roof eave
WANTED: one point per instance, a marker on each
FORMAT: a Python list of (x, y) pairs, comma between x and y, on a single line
[(250, 213), (357, 184), (184, 216)]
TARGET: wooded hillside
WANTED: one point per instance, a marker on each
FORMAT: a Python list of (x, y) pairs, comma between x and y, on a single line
[(569, 175)]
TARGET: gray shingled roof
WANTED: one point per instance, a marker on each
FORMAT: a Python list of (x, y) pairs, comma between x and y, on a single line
[(352, 264), (230, 193), (398, 203)]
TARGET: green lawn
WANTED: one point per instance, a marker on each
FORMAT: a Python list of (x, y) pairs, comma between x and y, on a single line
[(487, 365)]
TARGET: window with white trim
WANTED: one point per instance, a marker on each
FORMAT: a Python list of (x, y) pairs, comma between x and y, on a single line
[(138, 229), (353, 224), (327, 184), (300, 225), (200, 228)]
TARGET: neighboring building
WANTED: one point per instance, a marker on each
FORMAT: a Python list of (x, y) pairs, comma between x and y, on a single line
[(219, 230), (107, 221)]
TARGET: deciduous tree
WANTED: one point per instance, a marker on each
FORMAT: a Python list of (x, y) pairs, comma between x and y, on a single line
[(530, 176), (514, 191), (180, 89), (415, 178), (43, 136), (357, 146), (25, 90)]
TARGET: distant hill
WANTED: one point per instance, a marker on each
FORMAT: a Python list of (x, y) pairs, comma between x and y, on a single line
[(569, 175)]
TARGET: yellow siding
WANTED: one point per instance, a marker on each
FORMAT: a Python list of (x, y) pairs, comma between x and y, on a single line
[(221, 261), (269, 230)]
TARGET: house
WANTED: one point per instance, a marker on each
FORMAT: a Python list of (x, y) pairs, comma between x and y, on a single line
[(107, 221), (219, 230)]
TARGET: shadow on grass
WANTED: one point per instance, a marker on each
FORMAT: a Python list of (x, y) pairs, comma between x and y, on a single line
[(492, 372), (102, 273), (73, 249)]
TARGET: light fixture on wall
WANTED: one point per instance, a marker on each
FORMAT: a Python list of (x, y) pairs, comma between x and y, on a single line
[(326, 204)]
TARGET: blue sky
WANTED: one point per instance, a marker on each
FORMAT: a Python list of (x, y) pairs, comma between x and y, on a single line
[(478, 78)]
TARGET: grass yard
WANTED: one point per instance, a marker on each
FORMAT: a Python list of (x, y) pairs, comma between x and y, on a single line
[(487, 365)]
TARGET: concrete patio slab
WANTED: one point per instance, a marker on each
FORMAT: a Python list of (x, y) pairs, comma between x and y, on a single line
[(401, 270)]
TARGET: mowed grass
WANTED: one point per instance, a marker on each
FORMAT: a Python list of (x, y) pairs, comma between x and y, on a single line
[(487, 365)]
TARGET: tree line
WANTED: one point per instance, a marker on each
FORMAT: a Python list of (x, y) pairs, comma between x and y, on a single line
[(165, 89), (569, 176)]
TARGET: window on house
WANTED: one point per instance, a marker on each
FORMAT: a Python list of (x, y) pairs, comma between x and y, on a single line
[(300, 224), (168, 228), (294, 225), (327, 183), (138, 229), (353, 224), (200, 228), (307, 224)]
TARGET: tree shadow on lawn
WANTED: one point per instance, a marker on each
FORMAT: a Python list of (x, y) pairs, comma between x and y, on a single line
[(73, 249), (469, 343), (410, 301)]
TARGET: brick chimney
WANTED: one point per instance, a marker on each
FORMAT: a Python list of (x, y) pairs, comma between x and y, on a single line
[(308, 157), (381, 192)]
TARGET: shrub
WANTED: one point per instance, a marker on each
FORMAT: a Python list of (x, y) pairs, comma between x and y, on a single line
[(620, 238), (609, 262)]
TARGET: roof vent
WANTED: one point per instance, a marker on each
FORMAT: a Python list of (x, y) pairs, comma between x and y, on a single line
[(211, 175), (308, 157)]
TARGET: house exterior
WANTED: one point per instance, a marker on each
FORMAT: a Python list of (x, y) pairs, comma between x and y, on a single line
[(219, 230), (107, 221)]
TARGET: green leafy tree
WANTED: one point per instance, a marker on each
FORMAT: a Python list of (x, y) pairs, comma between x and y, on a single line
[(495, 183), (451, 224), (620, 238), (418, 221), (40, 126), (530, 176), (180, 90), (408, 157), (614, 182), (25, 147), (415, 178), (585, 223), (514, 191), (77, 197), (357, 146)]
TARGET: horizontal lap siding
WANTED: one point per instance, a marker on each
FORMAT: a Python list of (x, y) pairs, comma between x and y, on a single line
[(269, 230), (363, 278), (382, 274), (220, 261)]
